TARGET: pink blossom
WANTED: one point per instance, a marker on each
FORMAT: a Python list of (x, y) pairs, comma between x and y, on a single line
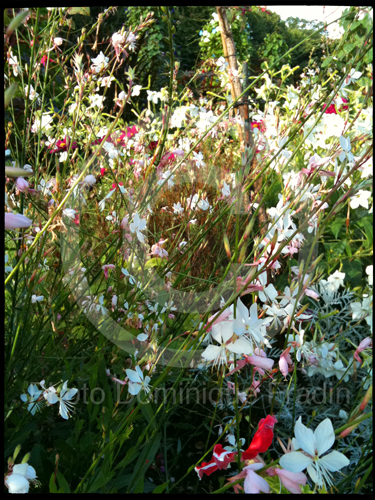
[(21, 184), (16, 221), (221, 317), (105, 269), (290, 480), (254, 483), (364, 344), (284, 361)]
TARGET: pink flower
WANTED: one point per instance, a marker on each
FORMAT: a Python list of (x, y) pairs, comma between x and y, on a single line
[(254, 483), (290, 480), (258, 361), (105, 269), (16, 221), (365, 343), (284, 361), (221, 317), (21, 184)]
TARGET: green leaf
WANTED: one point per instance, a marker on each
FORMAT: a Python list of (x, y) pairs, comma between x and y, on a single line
[(100, 481), (337, 225), (148, 413), (145, 460), (84, 11), (9, 93), (52, 485), (353, 271), (161, 488), (62, 482), (326, 62), (153, 262), (17, 21)]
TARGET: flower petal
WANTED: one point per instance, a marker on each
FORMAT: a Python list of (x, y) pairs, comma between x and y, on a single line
[(324, 436), (295, 461), (133, 376), (134, 388), (334, 461), (305, 437)]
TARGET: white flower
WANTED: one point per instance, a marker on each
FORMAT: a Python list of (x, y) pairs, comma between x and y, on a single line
[(96, 101), (153, 96), (34, 394), (100, 307), (370, 273), (100, 62), (117, 39), (137, 226), (337, 279), (18, 480), (361, 198), (314, 445), (166, 175), (63, 398), (248, 324), (137, 381), (136, 90), (269, 292), (35, 299), (222, 332), (177, 208), (31, 94), (90, 180), (131, 40), (226, 190), (58, 40), (352, 76), (42, 123), (13, 61), (69, 212)]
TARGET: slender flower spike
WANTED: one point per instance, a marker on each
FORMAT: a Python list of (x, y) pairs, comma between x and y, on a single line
[(314, 445), (137, 381)]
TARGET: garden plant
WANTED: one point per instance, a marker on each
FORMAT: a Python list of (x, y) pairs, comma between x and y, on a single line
[(188, 252)]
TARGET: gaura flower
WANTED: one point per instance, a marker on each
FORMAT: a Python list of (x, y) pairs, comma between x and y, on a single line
[(248, 325), (137, 381), (32, 398), (19, 479), (254, 483), (290, 480), (16, 221), (314, 445), (223, 333)]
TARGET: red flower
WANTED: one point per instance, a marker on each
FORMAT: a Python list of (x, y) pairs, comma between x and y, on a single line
[(332, 108), (114, 185), (262, 438), (153, 145), (64, 146), (222, 458), (44, 60)]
